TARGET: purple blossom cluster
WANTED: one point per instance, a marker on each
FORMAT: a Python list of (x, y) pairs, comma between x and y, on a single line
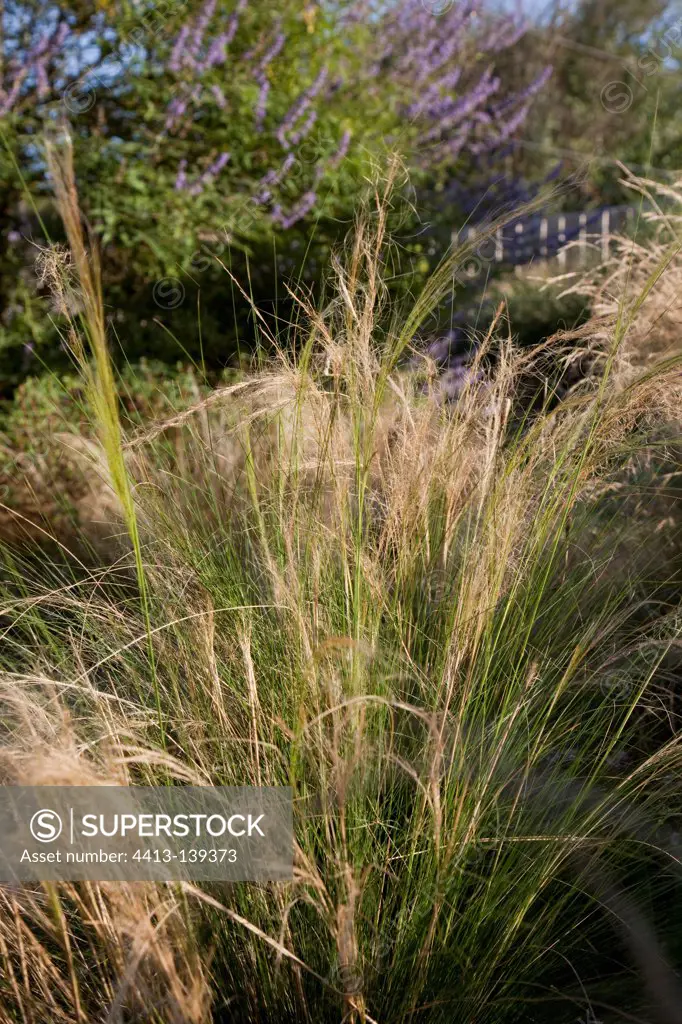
[(177, 108), (440, 68), (190, 50), (286, 135), (298, 212), (199, 184), (194, 54), (202, 23), (430, 61), (508, 115), (219, 97), (262, 104), (260, 74), (273, 178), (341, 152), (32, 69)]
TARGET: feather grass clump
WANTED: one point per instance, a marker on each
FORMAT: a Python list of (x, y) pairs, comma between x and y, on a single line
[(418, 616)]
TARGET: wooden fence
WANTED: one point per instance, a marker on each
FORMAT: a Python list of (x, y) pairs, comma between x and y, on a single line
[(544, 236)]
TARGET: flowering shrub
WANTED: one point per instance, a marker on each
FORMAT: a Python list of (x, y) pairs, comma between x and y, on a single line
[(200, 126), (268, 101), (424, 83)]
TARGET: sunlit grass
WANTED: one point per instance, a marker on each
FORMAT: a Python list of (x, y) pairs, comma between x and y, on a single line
[(431, 621)]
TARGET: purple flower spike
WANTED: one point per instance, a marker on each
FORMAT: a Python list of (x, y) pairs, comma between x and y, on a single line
[(513, 123), (211, 172), (181, 179), (341, 151), (178, 53), (304, 130), (176, 109), (276, 177), (272, 52), (217, 51), (261, 105), (302, 207), (42, 83), (296, 112), (219, 96), (205, 17), (217, 166)]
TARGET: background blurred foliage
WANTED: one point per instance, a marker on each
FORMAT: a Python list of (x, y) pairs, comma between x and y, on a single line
[(240, 133), (189, 160), (613, 96)]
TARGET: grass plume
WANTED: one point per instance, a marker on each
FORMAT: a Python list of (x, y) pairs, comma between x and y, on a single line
[(82, 289)]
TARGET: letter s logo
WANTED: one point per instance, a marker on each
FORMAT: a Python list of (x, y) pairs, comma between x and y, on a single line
[(46, 826)]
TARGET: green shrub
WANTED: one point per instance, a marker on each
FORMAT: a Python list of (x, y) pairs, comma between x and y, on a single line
[(227, 133)]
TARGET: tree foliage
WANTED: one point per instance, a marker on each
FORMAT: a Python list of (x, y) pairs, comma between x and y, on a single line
[(232, 131)]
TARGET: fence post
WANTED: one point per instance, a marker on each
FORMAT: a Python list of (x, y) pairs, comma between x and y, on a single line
[(582, 236), (518, 229), (561, 228), (605, 229)]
